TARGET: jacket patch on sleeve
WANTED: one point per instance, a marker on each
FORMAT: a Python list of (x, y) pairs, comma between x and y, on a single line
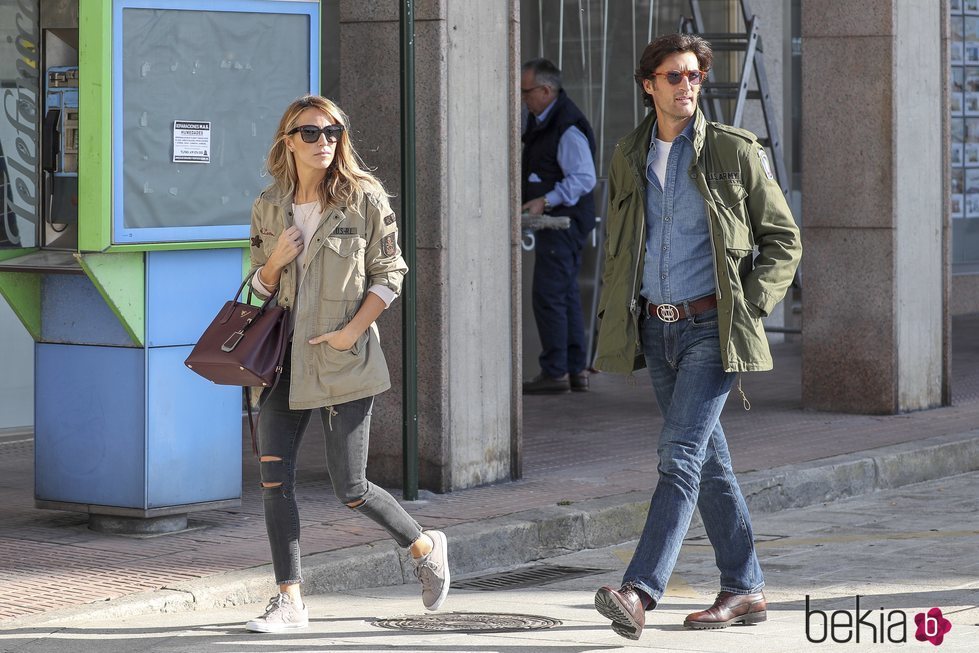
[(389, 219), (256, 241), (765, 164), (389, 244)]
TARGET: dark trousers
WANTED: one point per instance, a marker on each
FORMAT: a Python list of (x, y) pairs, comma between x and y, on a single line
[(557, 303)]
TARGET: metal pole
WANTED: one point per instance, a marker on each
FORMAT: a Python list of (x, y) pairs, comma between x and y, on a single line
[(540, 28), (601, 119), (635, 87), (560, 38), (649, 26), (584, 66), (409, 436)]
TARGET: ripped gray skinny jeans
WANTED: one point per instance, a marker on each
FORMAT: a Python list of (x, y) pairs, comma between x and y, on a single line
[(347, 430)]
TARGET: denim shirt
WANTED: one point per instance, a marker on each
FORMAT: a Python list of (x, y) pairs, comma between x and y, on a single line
[(679, 263)]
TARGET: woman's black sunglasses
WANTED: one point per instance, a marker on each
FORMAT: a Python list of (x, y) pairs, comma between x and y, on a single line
[(311, 133)]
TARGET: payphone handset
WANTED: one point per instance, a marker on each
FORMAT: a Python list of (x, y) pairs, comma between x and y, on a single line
[(59, 156)]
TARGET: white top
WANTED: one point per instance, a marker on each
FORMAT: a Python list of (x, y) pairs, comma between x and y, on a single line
[(660, 157), (307, 217)]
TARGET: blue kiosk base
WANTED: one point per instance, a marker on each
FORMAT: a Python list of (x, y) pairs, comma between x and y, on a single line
[(128, 432), (137, 526)]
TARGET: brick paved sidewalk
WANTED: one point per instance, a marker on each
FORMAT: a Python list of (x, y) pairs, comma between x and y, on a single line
[(576, 447)]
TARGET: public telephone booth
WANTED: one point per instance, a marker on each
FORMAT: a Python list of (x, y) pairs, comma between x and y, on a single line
[(133, 147)]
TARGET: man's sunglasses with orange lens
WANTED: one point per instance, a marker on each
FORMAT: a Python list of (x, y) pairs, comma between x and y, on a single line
[(695, 77)]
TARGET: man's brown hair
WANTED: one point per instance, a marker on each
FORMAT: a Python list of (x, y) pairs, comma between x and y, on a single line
[(662, 47)]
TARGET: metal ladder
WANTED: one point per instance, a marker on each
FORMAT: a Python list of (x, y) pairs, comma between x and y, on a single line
[(749, 43)]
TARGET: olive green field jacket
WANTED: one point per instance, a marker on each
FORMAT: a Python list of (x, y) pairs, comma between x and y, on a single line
[(352, 249), (745, 210)]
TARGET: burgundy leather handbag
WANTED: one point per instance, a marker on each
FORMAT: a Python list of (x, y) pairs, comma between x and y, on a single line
[(244, 344)]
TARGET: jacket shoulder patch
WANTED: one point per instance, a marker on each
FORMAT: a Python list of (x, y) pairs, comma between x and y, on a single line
[(764, 163), (389, 244)]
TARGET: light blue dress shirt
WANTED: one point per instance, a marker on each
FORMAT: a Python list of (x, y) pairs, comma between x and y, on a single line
[(574, 157), (679, 261)]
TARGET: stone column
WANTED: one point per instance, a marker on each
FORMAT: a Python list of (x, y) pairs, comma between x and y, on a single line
[(872, 270), (464, 66)]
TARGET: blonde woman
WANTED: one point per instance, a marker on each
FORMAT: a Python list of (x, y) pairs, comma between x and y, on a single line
[(324, 235)]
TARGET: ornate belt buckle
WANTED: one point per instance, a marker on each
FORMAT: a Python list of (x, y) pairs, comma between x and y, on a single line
[(667, 312)]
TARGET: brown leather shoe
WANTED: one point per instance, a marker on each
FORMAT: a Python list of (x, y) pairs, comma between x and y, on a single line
[(624, 607), (730, 609)]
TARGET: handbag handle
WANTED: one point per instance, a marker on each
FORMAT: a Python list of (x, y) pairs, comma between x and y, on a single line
[(236, 337), (247, 282)]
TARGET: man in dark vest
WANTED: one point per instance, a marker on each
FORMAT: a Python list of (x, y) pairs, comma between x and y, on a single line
[(558, 175)]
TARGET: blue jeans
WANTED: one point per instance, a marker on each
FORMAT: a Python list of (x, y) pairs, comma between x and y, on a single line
[(691, 386)]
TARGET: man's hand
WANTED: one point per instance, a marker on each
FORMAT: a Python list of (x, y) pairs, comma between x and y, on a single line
[(340, 340), (534, 206)]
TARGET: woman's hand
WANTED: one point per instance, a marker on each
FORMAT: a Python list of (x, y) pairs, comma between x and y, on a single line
[(286, 249), (345, 338), (340, 340)]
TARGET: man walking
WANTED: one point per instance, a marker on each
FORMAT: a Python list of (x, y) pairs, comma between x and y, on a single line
[(684, 294), (558, 174)]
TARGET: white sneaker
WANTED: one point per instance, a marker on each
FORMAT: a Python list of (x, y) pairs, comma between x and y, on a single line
[(432, 571), (280, 614)]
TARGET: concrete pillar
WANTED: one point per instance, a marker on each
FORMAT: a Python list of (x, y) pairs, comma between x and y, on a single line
[(465, 65), (873, 309)]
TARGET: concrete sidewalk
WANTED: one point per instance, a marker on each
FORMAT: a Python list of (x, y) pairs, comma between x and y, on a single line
[(589, 470), (834, 573)]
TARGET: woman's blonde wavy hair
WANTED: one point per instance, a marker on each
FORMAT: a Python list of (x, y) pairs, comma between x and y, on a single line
[(346, 180)]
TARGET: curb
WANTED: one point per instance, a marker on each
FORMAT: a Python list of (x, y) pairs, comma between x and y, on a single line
[(531, 535)]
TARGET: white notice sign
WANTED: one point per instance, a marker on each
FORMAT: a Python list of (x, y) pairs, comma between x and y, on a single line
[(191, 141)]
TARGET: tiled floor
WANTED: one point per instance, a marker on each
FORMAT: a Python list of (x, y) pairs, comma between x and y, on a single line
[(576, 447)]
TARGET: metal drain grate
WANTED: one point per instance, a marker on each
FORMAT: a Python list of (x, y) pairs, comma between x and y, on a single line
[(469, 622), (525, 577)]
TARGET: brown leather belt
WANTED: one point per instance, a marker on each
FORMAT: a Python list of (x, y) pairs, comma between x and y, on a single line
[(672, 313)]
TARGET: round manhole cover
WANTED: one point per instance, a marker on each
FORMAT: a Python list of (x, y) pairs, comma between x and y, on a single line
[(469, 622)]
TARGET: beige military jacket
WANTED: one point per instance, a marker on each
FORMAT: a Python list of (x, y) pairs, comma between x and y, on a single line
[(352, 249)]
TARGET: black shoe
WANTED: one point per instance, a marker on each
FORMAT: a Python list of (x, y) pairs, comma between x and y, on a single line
[(546, 385), (579, 382)]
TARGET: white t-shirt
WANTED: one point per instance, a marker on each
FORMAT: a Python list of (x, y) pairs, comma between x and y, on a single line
[(660, 157)]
